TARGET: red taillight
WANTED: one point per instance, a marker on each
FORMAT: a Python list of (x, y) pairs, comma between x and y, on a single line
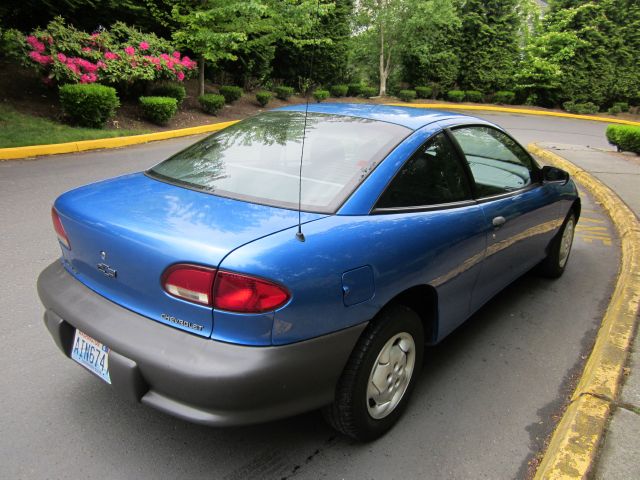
[(190, 282), (57, 226), (243, 294), (232, 292)]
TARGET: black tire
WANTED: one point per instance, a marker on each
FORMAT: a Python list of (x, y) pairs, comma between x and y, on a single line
[(349, 413), (553, 266)]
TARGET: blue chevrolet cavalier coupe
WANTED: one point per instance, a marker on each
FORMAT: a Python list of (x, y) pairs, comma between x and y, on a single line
[(242, 280)]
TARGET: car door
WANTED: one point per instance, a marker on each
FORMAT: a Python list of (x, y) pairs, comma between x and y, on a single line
[(521, 216), (439, 227)]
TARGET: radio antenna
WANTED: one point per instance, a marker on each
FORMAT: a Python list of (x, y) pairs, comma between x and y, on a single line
[(299, 234)]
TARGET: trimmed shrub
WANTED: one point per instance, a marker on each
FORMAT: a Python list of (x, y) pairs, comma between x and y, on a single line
[(623, 106), (263, 98), (612, 135), (283, 93), (504, 96), (580, 108), (158, 109), (339, 90), (423, 92), (89, 105), (320, 95), (355, 89), (12, 44), (625, 137), (173, 90), (211, 102), (614, 110), (231, 93), (455, 95), (473, 96), (368, 92), (407, 95)]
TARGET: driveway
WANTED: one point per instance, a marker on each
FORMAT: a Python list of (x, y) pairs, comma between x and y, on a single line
[(484, 404)]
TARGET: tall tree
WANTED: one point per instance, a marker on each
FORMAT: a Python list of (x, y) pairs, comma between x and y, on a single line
[(430, 53), (385, 19), (326, 42), (489, 43), (586, 53), (216, 29), (87, 15), (225, 30)]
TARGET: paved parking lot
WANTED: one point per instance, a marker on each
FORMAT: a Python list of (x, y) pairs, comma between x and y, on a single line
[(483, 406)]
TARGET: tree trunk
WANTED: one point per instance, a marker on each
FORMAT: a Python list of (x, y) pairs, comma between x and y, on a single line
[(201, 74), (383, 74)]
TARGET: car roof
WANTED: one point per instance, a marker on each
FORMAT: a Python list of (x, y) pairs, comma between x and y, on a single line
[(410, 117)]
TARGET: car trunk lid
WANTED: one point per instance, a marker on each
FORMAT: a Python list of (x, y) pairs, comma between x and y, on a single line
[(125, 232)]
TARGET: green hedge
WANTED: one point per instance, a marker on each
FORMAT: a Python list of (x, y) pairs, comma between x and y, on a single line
[(89, 105), (158, 109), (614, 110), (423, 92), (320, 95), (625, 137), (580, 108), (505, 97), (173, 90), (231, 93), (618, 107), (283, 93), (211, 102), (263, 98), (473, 96), (455, 95), (339, 90), (623, 106), (407, 95), (368, 92), (355, 89)]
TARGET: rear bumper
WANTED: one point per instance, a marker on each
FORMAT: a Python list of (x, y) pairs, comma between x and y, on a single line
[(195, 378)]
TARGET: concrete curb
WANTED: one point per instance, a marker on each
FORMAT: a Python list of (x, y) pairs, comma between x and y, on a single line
[(575, 441), (117, 142), (525, 111)]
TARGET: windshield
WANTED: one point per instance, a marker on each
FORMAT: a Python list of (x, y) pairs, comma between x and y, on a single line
[(258, 159)]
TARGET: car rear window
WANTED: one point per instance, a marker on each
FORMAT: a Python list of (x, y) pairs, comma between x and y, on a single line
[(258, 159)]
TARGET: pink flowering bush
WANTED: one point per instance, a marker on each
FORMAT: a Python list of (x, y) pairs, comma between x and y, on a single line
[(119, 56)]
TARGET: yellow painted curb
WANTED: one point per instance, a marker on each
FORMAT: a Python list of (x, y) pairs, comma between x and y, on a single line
[(117, 142), (574, 444), (525, 111)]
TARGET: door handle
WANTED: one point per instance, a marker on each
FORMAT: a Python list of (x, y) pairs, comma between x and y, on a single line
[(498, 221)]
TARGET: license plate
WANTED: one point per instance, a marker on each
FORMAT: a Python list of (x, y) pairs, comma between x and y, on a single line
[(91, 354)]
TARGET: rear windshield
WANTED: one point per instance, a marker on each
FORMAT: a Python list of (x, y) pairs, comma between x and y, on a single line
[(258, 159)]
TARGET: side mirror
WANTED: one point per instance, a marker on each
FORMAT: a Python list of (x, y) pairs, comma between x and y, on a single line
[(554, 175)]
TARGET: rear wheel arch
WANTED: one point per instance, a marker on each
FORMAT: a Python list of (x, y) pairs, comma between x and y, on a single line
[(576, 207), (422, 299)]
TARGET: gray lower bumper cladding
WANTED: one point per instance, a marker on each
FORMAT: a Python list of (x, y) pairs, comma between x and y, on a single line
[(195, 378)]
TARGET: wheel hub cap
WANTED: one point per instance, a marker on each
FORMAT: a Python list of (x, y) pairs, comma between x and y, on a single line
[(565, 242), (390, 375)]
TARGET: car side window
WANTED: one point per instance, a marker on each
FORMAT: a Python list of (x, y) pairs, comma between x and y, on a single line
[(433, 175), (497, 163)]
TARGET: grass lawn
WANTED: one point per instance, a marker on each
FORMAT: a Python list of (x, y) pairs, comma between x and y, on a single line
[(19, 130)]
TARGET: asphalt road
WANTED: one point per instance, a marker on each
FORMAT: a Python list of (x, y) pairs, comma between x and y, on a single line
[(481, 410)]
